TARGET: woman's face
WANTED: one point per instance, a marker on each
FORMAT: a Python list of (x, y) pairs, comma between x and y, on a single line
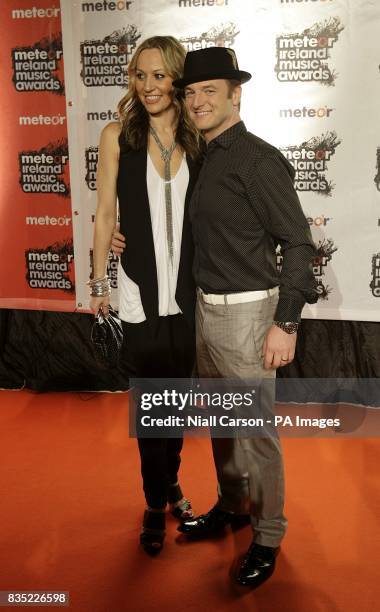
[(153, 85)]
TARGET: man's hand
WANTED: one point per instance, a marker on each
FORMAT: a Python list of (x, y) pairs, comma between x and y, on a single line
[(118, 241), (279, 348)]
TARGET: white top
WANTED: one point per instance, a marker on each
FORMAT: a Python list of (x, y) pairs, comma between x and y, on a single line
[(130, 306)]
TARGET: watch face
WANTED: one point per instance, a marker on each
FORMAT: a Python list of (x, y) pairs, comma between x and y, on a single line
[(288, 327), (291, 328)]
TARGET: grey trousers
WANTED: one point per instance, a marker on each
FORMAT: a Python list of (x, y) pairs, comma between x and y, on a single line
[(249, 470)]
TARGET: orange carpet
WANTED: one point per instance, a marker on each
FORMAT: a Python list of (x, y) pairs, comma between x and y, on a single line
[(71, 506)]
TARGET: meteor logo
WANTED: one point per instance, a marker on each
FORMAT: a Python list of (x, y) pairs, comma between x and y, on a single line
[(91, 156), (49, 268), (304, 56), (196, 3), (310, 161), (35, 67), (219, 36), (325, 251), (105, 5), (104, 61), (44, 171)]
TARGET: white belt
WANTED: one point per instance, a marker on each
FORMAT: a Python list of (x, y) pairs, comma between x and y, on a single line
[(236, 298)]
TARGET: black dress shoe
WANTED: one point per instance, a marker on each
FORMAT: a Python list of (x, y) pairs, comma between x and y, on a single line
[(207, 524), (257, 566)]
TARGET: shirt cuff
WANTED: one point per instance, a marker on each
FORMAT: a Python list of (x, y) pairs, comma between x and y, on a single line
[(289, 310)]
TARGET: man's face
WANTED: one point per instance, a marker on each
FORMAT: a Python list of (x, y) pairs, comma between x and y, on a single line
[(211, 106)]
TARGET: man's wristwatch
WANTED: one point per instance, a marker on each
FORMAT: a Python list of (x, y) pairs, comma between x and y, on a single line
[(288, 327)]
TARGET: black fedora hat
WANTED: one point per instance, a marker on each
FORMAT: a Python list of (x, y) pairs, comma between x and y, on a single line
[(211, 63)]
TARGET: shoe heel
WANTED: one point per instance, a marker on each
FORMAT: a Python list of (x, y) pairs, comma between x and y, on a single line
[(153, 533)]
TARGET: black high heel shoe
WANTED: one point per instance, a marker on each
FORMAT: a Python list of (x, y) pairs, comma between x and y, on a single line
[(183, 510), (153, 533)]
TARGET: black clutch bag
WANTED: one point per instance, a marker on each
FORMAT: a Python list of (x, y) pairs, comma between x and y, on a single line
[(107, 338)]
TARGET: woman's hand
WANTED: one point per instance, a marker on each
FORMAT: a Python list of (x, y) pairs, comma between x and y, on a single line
[(100, 303)]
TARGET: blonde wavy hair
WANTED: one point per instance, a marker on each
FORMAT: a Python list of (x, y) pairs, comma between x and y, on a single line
[(134, 117)]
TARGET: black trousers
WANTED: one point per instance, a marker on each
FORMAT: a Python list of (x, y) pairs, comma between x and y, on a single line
[(168, 353)]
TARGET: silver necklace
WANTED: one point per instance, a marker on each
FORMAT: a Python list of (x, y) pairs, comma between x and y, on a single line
[(166, 155)]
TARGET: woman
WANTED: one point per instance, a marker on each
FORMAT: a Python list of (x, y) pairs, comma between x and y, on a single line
[(149, 162)]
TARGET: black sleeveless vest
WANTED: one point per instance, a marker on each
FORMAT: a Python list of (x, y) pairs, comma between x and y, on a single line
[(138, 259)]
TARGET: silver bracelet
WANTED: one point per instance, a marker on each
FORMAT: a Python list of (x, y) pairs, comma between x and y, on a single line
[(100, 287)]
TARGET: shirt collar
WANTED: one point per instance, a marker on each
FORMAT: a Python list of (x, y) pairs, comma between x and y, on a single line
[(226, 138)]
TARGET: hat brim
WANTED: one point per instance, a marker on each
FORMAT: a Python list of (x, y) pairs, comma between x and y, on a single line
[(234, 75)]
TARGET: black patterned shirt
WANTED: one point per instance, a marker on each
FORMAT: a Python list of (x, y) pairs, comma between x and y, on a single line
[(243, 206)]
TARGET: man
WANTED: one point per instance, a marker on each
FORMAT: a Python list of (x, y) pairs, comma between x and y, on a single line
[(244, 205)]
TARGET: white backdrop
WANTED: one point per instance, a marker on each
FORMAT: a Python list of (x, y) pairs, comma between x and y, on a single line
[(315, 94)]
